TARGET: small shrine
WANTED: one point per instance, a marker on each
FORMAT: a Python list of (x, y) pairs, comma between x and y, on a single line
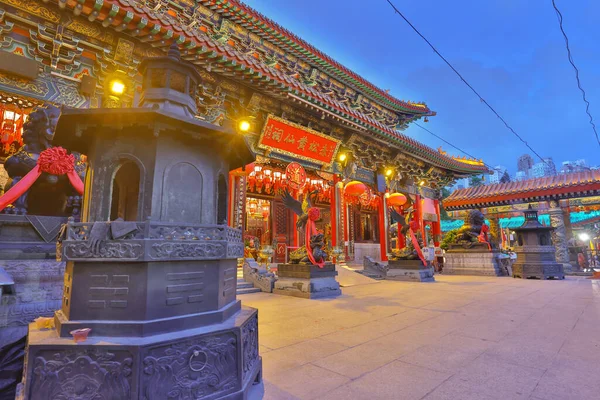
[(536, 255), (309, 274)]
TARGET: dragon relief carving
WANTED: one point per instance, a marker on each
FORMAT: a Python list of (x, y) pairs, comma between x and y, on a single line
[(121, 250), (93, 373), (191, 369), (187, 250), (250, 345)]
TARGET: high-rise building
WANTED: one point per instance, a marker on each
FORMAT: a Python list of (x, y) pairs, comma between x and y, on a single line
[(542, 169), (497, 174), (521, 176), (524, 163), (569, 167)]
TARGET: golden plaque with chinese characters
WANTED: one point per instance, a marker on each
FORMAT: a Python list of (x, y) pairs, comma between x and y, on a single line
[(297, 141)]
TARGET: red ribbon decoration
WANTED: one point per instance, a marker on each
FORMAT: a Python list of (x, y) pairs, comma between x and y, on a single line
[(482, 236), (311, 229), (415, 243), (54, 161)]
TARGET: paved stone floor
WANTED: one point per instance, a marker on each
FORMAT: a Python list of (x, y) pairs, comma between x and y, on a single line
[(459, 338)]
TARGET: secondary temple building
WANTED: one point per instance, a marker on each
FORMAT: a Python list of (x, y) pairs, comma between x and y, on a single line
[(558, 198)]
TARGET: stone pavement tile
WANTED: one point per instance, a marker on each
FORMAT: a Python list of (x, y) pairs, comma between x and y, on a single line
[(369, 356), (272, 392), (455, 389), (394, 381), (490, 327), (453, 303), (298, 354), (288, 332), (307, 381), (492, 375), (527, 352), (262, 349), (585, 348), (448, 354), (570, 379), (363, 333)]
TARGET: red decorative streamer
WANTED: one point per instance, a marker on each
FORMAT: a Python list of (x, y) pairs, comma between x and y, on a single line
[(415, 243), (482, 236), (54, 161)]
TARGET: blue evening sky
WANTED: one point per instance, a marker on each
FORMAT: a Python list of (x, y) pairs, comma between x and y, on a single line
[(511, 51)]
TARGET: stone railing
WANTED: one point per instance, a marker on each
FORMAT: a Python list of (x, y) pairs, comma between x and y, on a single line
[(258, 276), (149, 241)]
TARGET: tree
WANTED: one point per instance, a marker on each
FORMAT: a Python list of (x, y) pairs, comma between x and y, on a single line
[(476, 181)]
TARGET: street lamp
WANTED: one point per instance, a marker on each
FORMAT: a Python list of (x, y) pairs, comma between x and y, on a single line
[(116, 87), (584, 237)]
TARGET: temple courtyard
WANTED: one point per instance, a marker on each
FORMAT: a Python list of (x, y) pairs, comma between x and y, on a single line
[(459, 338)]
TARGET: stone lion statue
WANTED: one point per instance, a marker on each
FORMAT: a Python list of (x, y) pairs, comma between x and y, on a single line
[(472, 228), (50, 195)]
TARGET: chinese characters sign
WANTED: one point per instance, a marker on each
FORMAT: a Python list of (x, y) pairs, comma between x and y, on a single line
[(297, 141)]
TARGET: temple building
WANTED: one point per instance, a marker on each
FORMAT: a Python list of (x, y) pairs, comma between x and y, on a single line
[(313, 125)]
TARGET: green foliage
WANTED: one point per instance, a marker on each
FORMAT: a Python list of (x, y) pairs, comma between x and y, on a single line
[(475, 181), (449, 238)]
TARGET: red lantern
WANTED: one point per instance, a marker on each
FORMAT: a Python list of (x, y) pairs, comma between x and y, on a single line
[(355, 188), (296, 176), (366, 198), (396, 200)]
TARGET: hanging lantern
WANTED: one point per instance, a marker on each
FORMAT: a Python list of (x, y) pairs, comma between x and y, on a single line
[(428, 210), (366, 198), (355, 188), (397, 200)]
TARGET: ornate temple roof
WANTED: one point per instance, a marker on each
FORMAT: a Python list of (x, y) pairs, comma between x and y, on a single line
[(279, 36), (579, 184), (205, 39)]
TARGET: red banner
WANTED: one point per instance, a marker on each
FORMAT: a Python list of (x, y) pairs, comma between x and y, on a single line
[(297, 141)]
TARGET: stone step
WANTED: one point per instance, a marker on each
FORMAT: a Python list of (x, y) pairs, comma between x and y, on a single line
[(370, 275), (248, 290), (244, 285)]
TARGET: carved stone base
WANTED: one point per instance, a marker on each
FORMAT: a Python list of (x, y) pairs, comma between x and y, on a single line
[(480, 263), (219, 361), (307, 281), (409, 270), (37, 293), (152, 298), (538, 270)]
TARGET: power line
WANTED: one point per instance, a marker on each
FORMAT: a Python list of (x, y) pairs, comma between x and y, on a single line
[(587, 103), (465, 81), (450, 144)]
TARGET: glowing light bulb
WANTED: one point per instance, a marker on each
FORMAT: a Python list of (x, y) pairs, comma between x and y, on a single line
[(244, 126), (117, 87)]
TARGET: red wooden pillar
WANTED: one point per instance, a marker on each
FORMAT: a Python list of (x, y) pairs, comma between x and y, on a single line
[(382, 231), (437, 226), (334, 211), (346, 226), (417, 211)]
